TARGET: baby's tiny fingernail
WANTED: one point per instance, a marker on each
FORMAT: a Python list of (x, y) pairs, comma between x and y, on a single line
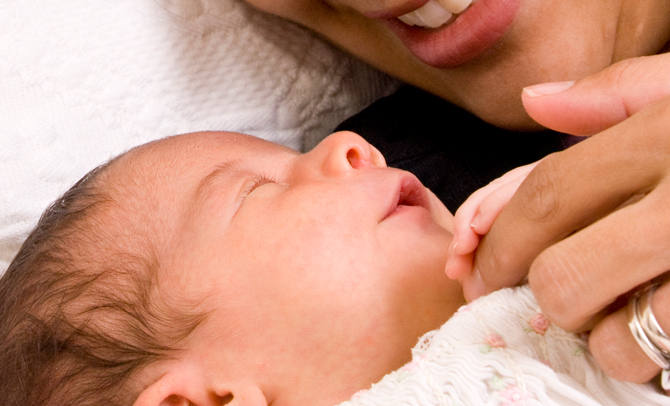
[(475, 221), (459, 251), (453, 244)]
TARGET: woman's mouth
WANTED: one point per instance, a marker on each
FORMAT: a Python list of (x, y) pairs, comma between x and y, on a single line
[(436, 13), (448, 33)]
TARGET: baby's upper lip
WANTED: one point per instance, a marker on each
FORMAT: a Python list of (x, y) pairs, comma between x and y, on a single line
[(408, 192), (397, 11)]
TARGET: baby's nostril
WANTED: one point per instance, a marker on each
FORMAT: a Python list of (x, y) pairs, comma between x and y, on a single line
[(355, 159)]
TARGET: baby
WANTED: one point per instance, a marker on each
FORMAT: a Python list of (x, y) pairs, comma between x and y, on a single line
[(216, 268)]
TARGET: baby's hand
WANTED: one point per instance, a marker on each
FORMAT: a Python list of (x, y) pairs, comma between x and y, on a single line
[(475, 217)]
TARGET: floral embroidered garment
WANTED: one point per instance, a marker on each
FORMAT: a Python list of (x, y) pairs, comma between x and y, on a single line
[(501, 350)]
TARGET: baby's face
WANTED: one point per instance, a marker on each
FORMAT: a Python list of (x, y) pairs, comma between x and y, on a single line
[(318, 271)]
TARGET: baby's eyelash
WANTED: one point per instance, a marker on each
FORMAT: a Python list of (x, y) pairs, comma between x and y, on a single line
[(257, 182)]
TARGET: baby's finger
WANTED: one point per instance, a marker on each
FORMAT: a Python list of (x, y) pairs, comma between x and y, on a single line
[(465, 239), (472, 281), (492, 205), (501, 191), (466, 227), (459, 266)]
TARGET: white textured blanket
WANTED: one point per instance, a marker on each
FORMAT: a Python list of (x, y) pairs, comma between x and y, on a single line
[(83, 80), (500, 350)]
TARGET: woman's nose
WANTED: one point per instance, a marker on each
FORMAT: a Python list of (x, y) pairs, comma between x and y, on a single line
[(343, 152)]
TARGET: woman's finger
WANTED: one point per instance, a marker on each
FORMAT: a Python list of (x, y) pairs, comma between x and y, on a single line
[(578, 277), (598, 102), (617, 352)]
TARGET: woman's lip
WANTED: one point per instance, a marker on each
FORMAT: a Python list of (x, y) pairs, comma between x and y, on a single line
[(472, 33), (396, 11)]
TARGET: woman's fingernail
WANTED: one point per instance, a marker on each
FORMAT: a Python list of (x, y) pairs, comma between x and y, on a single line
[(546, 89)]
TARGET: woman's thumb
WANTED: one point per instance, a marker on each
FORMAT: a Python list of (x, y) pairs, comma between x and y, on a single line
[(597, 102)]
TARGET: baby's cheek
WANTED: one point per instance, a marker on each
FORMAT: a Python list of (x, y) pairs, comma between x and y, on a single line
[(441, 215)]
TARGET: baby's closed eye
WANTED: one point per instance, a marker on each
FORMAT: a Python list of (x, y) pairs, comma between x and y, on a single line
[(255, 183)]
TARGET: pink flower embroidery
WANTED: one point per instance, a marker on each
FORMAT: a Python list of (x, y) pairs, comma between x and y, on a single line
[(359, 394), (495, 341), (410, 367), (539, 323), (512, 396), (464, 308)]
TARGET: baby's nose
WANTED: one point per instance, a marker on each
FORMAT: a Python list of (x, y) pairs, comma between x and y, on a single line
[(342, 152)]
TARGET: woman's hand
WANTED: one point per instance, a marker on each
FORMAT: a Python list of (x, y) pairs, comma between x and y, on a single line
[(592, 223)]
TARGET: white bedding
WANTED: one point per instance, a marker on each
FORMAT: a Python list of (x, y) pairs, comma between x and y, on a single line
[(83, 80)]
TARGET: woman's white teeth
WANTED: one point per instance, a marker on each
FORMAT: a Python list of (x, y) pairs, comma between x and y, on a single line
[(435, 13), (432, 15), (455, 6)]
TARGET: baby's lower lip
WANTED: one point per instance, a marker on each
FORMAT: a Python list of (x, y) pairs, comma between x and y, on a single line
[(403, 209), (409, 213), (472, 33)]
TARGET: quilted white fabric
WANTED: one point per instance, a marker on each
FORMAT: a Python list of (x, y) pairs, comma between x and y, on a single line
[(83, 80)]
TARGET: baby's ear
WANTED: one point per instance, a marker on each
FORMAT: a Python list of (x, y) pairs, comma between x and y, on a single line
[(182, 387), (241, 393), (177, 387)]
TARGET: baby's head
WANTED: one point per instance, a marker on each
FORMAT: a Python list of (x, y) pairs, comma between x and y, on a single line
[(218, 268)]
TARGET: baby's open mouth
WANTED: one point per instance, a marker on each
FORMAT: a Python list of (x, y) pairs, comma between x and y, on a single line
[(436, 13), (410, 193)]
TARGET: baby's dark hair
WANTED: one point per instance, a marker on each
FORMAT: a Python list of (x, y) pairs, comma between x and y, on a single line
[(81, 314)]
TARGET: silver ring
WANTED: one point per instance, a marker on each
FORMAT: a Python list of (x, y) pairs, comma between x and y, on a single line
[(647, 332), (650, 325)]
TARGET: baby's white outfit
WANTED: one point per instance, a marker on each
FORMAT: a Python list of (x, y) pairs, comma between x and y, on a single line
[(501, 350)]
